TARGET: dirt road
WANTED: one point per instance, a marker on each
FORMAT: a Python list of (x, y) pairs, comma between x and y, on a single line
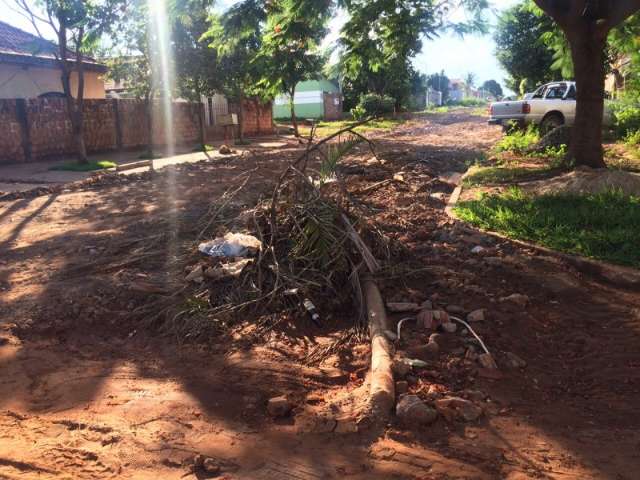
[(91, 387)]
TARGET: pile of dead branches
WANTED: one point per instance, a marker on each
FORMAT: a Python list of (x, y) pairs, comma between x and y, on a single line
[(316, 243)]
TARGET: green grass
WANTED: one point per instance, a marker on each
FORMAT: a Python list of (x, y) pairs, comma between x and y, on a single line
[(505, 175), (605, 226), (324, 129), (84, 167)]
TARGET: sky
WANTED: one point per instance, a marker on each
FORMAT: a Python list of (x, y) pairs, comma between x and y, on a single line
[(456, 56)]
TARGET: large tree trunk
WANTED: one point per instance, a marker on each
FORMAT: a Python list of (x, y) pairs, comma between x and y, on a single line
[(586, 137), (292, 105), (75, 106)]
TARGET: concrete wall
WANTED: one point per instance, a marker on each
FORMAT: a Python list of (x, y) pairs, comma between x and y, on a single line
[(29, 82), (39, 128)]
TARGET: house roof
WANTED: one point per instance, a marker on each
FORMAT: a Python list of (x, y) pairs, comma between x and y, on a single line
[(23, 48)]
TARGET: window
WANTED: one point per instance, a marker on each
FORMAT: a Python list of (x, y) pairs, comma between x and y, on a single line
[(572, 93), (555, 92)]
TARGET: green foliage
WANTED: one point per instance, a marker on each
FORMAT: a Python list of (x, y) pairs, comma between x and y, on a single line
[(290, 50), (520, 49), (440, 82), (196, 65), (84, 167), (626, 118), (236, 37), (373, 104), (469, 102), (493, 87), (358, 112), (518, 140), (381, 37), (632, 139), (605, 226)]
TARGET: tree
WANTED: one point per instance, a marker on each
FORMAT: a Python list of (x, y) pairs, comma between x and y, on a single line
[(132, 61), (440, 82), (196, 64), (78, 24), (520, 48), (469, 82), (236, 36), (381, 37), (586, 25), (493, 87), (289, 52)]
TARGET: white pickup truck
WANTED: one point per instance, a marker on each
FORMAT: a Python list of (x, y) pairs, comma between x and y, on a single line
[(550, 106)]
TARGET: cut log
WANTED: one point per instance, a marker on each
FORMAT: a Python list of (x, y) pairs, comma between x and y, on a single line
[(382, 390)]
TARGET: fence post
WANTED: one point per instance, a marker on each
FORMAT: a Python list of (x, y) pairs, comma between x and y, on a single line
[(25, 134), (118, 125)]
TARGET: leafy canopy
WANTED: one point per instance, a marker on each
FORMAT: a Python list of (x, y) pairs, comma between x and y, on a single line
[(381, 37)]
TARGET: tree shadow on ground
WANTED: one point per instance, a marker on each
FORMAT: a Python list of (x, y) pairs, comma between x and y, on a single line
[(576, 338)]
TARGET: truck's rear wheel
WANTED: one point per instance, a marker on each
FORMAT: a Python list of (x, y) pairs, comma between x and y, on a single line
[(551, 121)]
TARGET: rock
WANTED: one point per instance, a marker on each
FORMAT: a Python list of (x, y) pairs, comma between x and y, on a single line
[(449, 327), (196, 275), (514, 361), (440, 196), (517, 299), (402, 386), (454, 309), (413, 411), (476, 316), (432, 348), (478, 249), (435, 338), (474, 395), (487, 361), (210, 466), (471, 355), (401, 368), (279, 406), (456, 408), (402, 307), (493, 261), (416, 363), (440, 317), (425, 320)]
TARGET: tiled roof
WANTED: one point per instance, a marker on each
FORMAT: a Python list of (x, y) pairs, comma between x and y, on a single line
[(18, 46)]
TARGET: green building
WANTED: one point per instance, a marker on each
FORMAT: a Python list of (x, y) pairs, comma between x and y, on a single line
[(317, 99)]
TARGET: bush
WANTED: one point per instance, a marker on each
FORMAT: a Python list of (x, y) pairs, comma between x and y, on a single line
[(373, 104), (468, 102), (626, 119), (632, 138), (519, 141)]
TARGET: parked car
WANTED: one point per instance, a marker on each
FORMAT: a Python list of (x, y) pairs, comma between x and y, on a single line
[(550, 106)]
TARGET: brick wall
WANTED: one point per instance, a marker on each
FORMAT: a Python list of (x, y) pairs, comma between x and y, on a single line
[(37, 129), (10, 132)]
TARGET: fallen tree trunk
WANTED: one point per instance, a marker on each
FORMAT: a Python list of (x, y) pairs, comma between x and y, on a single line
[(382, 389)]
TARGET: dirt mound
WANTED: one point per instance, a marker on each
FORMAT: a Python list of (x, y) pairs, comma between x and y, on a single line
[(587, 180)]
